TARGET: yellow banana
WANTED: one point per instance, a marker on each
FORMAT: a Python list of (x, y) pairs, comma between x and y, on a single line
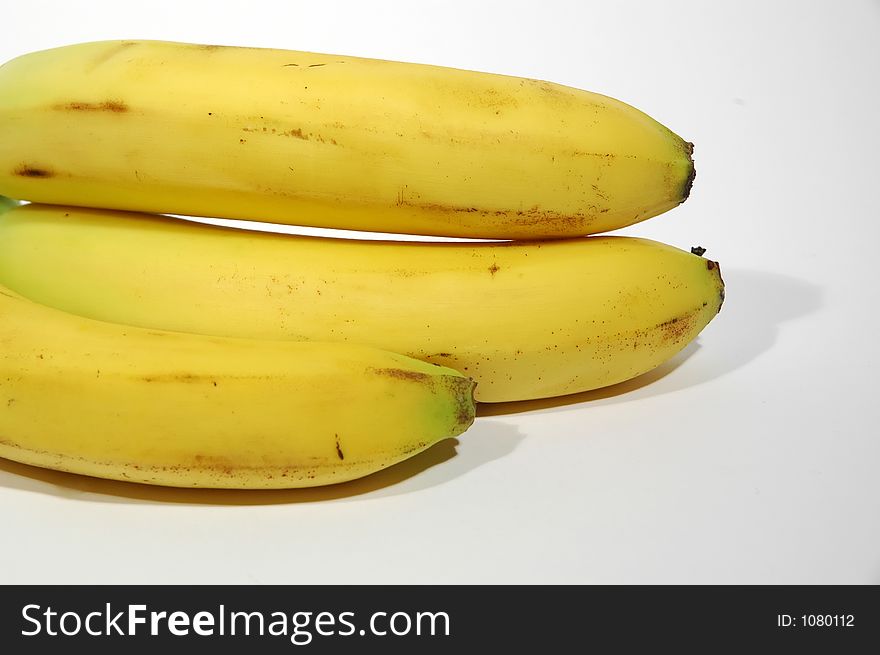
[(329, 140), (195, 411), (525, 320)]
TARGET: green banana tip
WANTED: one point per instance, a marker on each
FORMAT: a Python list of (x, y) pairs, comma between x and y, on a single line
[(7, 203)]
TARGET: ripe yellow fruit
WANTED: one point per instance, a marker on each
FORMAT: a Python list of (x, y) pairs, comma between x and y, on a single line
[(185, 410), (329, 140), (525, 320)]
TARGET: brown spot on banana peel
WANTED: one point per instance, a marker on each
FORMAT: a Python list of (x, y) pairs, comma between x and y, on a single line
[(112, 106), (564, 223), (26, 170), (175, 377), (677, 327), (339, 453), (401, 374), (195, 378)]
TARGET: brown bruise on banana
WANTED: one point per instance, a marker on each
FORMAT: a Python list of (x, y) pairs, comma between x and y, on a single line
[(677, 329), (32, 171), (111, 106), (185, 377), (402, 374), (296, 133), (548, 218)]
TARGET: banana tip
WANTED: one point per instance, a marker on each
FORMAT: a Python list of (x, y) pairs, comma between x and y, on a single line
[(466, 407), (7, 203), (716, 267), (692, 171)]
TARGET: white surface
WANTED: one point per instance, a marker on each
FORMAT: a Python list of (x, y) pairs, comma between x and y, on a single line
[(752, 458)]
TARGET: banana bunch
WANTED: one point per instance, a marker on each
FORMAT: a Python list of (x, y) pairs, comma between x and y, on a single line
[(193, 355)]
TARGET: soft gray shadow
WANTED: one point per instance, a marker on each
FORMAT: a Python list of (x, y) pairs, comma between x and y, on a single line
[(485, 441), (756, 304)]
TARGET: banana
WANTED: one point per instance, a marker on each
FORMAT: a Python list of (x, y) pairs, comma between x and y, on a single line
[(329, 140), (194, 411), (524, 319)]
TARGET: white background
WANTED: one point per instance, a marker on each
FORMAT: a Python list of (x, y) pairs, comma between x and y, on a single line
[(751, 458)]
